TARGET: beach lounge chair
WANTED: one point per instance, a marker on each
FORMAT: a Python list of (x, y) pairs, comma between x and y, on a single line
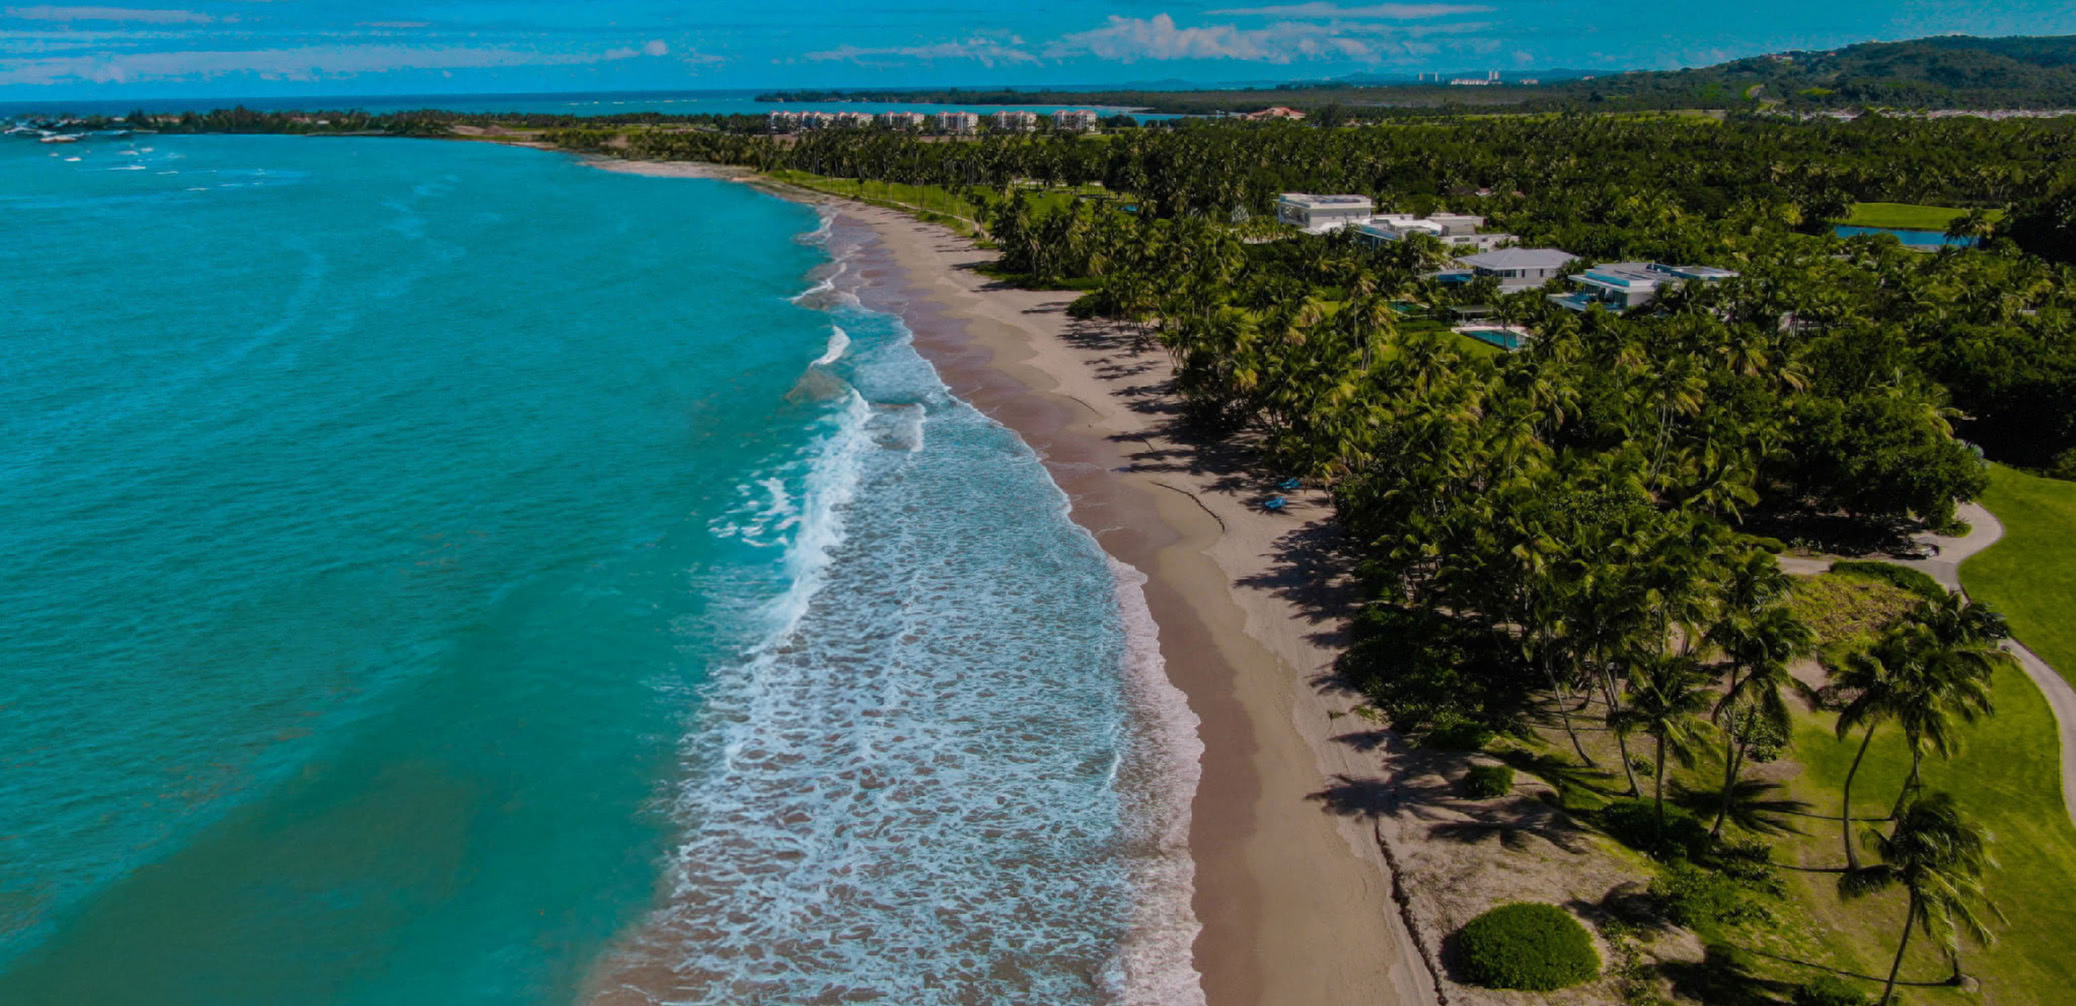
[(1288, 484), (1274, 504)]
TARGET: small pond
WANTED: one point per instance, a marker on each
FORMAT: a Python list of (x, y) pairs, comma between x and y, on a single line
[(1916, 239)]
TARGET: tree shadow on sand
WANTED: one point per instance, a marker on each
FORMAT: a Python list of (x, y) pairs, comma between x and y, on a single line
[(1309, 566)]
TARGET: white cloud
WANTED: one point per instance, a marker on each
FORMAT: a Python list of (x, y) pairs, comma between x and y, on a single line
[(655, 47), (987, 52), (49, 13), (1128, 40), (300, 64), (1371, 12)]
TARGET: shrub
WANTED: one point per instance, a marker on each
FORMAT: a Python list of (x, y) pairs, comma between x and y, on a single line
[(1634, 823), (1912, 580), (1749, 862), (1526, 946), (1829, 990), (1455, 733), (1695, 897), (1484, 782)]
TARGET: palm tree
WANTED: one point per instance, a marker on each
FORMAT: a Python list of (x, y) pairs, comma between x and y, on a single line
[(1954, 654), (1667, 695), (1760, 646), (1930, 674), (1938, 855), (1865, 671)]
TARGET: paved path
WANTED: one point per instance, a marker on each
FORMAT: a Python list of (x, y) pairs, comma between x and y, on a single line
[(1942, 561)]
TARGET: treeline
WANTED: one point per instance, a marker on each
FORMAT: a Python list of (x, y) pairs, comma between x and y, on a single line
[(1993, 329)]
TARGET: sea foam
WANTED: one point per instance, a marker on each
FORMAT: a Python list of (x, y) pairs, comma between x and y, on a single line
[(951, 769)]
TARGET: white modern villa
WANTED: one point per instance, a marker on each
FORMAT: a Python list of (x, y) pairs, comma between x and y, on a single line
[(1319, 214), (1516, 269), (1459, 231), (1620, 286), (902, 120)]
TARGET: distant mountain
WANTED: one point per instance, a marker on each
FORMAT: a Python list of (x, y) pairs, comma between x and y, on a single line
[(1946, 71)]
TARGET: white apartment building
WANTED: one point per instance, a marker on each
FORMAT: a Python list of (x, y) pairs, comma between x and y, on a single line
[(1013, 120), (1074, 120), (958, 123)]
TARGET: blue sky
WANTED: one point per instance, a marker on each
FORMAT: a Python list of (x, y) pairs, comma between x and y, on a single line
[(289, 47)]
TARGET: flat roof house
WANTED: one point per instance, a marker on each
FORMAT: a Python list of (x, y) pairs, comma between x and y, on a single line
[(1319, 214), (1516, 269), (782, 121), (854, 120), (901, 120), (957, 122), (816, 120), (1456, 230), (1624, 285)]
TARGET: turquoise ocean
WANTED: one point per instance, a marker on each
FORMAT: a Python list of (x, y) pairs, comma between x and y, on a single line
[(438, 573)]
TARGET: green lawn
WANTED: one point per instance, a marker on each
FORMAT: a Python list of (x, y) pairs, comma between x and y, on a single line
[(1906, 216), (2008, 775), (2030, 576)]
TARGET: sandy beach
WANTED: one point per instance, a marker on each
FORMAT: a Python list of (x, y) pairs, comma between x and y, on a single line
[(1332, 858), (1296, 900)]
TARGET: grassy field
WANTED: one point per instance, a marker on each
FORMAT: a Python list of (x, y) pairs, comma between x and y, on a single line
[(2030, 576), (934, 203), (2007, 773), (2008, 776), (1906, 216)]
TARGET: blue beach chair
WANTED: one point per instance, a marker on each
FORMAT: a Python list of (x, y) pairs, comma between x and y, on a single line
[(1288, 485), (1274, 504)]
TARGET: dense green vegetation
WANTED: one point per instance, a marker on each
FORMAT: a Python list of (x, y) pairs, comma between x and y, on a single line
[(1526, 946)]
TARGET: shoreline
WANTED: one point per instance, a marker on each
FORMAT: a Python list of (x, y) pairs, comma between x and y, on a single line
[(1295, 887), (1296, 903)]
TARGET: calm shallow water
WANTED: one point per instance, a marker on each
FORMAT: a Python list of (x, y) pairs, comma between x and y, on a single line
[(437, 569)]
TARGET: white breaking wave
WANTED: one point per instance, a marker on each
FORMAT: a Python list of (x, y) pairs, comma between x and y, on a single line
[(951, 769), (839, 340), (1160, 779)]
